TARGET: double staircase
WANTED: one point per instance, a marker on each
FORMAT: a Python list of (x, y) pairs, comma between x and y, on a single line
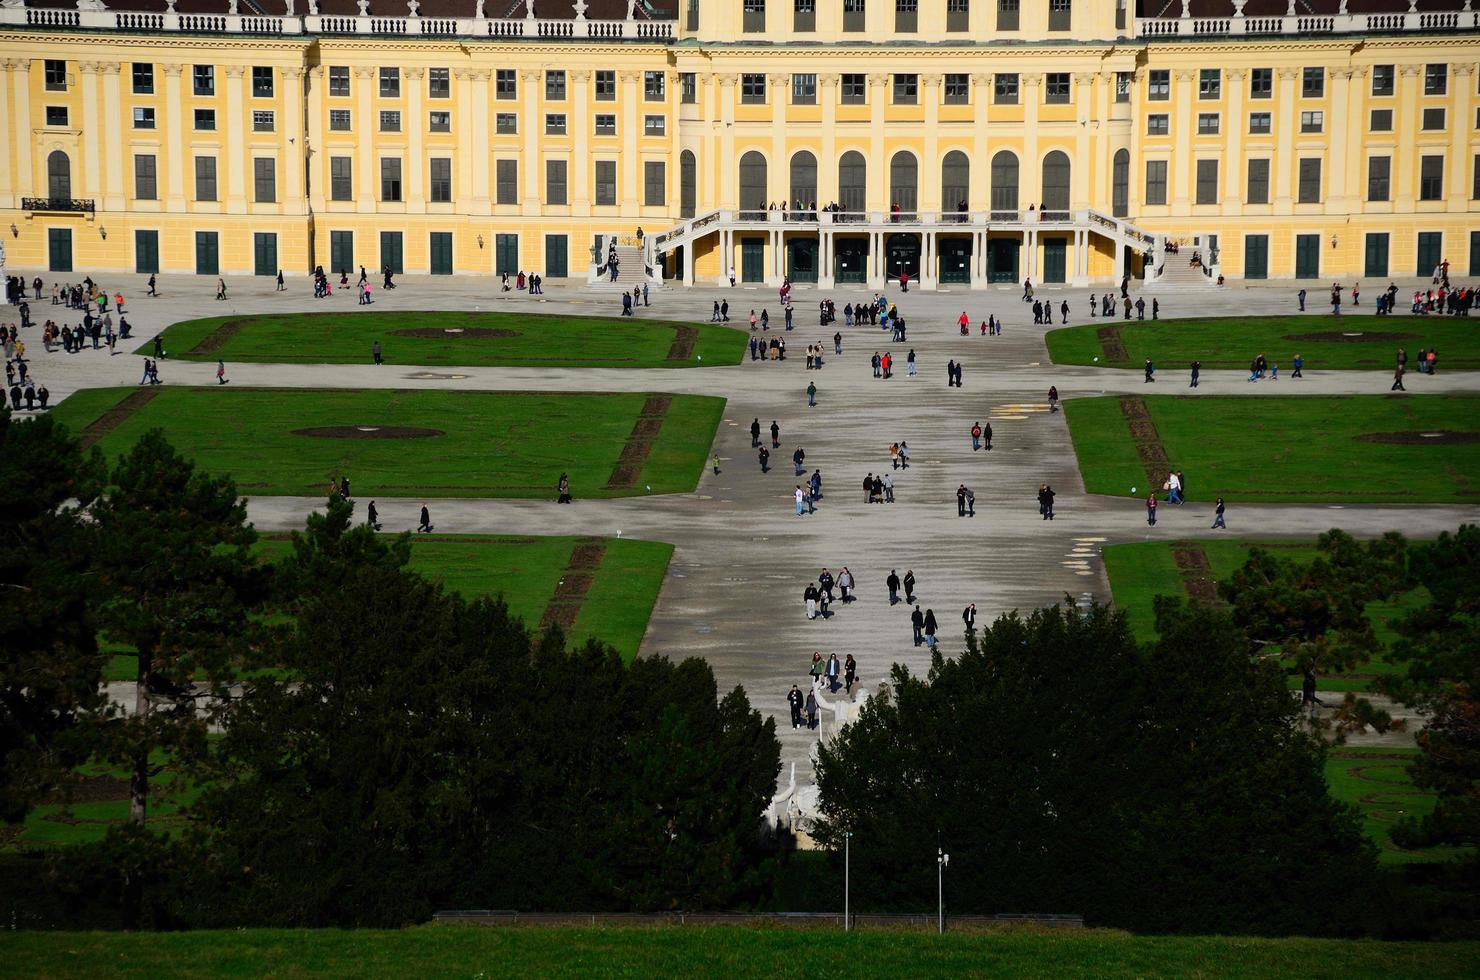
[(631, 270)]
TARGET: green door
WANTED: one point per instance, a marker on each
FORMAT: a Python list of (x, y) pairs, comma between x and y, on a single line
[(392, 252), (146, 251), (1055, 259), (801, 259), (441, 253), (59, 249), (1002, 259), (264, 253), (341, 251), (1475, 253), (1376, 264), (955, 259), (753, 259), (1430, 252), (1307, 256), (207, 253), (505, 254), (1256, 256), (850, 260), (557, 256)]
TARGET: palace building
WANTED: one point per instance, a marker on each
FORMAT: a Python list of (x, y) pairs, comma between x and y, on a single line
[(964, 142)]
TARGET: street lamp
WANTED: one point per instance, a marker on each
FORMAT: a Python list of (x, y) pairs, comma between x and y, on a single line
[(847, 840), (941, 860)]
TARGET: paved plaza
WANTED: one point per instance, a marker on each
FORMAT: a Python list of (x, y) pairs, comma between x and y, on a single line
[(742, 558)]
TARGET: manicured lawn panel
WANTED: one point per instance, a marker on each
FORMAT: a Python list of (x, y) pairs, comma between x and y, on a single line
[(1376, 781), (1139, 573), (1301, 449), (729, 951), (622, 595), (494, 444), (1232, 342), (539, 340)]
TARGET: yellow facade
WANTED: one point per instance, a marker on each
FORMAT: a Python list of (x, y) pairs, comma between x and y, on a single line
[(466, 150)]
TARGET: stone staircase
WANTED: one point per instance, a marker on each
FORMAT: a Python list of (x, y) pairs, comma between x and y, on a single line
[(630, 272), (1177, 272)]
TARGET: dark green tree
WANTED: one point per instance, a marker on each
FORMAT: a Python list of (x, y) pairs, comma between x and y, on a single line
[(50, 668)]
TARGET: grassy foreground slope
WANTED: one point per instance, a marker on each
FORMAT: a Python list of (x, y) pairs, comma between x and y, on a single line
[(729, 951)]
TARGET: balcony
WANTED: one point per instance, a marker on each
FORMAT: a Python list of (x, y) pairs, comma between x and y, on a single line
[(60, 205)]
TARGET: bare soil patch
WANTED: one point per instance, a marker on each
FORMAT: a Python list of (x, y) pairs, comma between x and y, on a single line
[(1196, 571), (684, 338), (92, 789), (575, 582), (116, 416), (456, 333), (1146, 439), (644, 433), (1441, 437), (1111, 345), (1350, 336), (217, 338), (368, 432)]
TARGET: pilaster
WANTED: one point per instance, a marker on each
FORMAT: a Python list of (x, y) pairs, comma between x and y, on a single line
[(235, 143), (175, 177), (110, 134)]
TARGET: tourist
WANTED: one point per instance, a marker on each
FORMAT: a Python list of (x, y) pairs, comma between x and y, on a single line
[(845, 585), (1196, 370), (375, 353), (562, 488), (794, 699), (1053, 399), (917, 620), (280, 286), (850, 673), (1151, 509), (1218, 516), (1301, 297), (775, 435), (987, 437), (1150, 370), (220, 288), (811, 711), (968, 616), (909, 586), (976, 436), (812, 395), (372, 516), (930, 627), (892, 583), (425, 527), (834, 670), (220, 372), (809, 597), (1298, 363), (1045, 501), (765, 459), (800, 498)]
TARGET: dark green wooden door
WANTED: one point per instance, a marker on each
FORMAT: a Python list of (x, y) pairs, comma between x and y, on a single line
[(392, 252), (955, 259), (1376, 256), (1430, 252), (850, 260), (59, 249), (753, 259), (341, 251), (801, 259), (264, 253), (1055, 259), (1002, 259), (146, 251), (1475, 253), (557, 256), (505, 254), (207, 253), (1256, 256), (1307, 256), (441, 253)]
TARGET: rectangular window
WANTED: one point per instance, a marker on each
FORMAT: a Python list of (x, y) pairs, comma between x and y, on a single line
[(261, 81), (440, 170), (1060, 13), (439, 121), (1475, 178), (1209, 83), (854, 16), (205, 119), (906, 16), (390, 179), (341, 178), (56, 75), (439, 83), (853, 90), (56, 115), (339, 81), (688, 88), (1007, 15), (1123, 81), (263, 121), (606, 124), (753, 89), (1259, 123), (906, 89), (339, 120), (1005, 89), (655, 86), (1382, 79), (143, 117), (1258, 192), (804, 16), (146, 182), (804, 89), (1435, 79), (753, 16), (1261, 83), (1379, 178), (1310, 181), (958, 16), (264, 180), (654, 184), (1158, 124), (606, 182), (390, 83), (1207, 182), (1159, 84), (1156, 182), (606, 86), (1056, 88), (555, 182), (143, 79), (1431, 178), (1381, 121), (506, 84), (555, 86), (1433, 118), (1312, 122), (554, 124), (506, 181), (506, 124), (390, 120), (205, 178), (203, 79), (957, 89), (1207, 123), (1312, 83), (654, 125)]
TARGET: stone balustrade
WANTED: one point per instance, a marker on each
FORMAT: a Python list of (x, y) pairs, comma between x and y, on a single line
[(1306, 25)]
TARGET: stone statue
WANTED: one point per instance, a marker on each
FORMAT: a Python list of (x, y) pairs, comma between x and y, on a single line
[(411, 7), (231, 7), (91, 5), (529, 9), (313, 8), (289, 9), (364, 6), (631, 9), (478, 12)]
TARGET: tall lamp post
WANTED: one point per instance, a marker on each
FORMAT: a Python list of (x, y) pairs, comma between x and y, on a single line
[(941, 860), (847, 840)]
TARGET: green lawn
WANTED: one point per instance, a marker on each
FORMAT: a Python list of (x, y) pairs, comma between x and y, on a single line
[(1376, 780), (729, 951), (1301, 449), (512, 444), (536, 341), (1232, 342), (101, 802)]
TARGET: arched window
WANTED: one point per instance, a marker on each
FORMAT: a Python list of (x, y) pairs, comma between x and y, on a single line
[(803, 180), (955, 183), (853, 182), (688, 180), (58, 175), (904, 182), (1120, 184), (1056, 182), (1004, 182), (753, 183)]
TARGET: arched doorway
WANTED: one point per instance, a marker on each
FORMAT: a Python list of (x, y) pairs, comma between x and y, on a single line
[(58, 175), (753, 186), (803, 181), (955, 185), (853, 183), (1004, 186), (1120, 184), (1056, 183), (904, 183), (688, 184)]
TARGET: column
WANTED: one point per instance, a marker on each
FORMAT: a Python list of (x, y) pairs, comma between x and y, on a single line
[(929, 267), (929, 170), (825, 258), (981, 161), (1233, 138), (1284, 164), (25, 150), (416, 124), (1339, 186), (631, 129), (708, 192), (878, 164), (114, 192), (531, 125), (1100, 149), (296, 152), (7, 186), (1182, 128), (1084, 94), (1355, 126), (176, 163), (1405, 177), (1030, 170), (365, 153), (473, 160), (580, 129), (235, 143), (827, 159), (1457, 190), (778, 173), (91, 183), (726, 162)]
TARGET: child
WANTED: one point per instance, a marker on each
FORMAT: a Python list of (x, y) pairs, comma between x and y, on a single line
[(1274, 372)]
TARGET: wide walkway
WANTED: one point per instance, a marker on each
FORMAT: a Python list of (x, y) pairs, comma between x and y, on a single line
[(742, 558)]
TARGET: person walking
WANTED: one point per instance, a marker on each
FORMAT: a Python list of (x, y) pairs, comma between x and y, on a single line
[(1218, 516), (909, 364), (1063, 312), (800, 500), (799, 460), (1150, 370), (765, 459), (775, 435), (968, 616), (1053, 399), (1398, 380), (1045, 501), (1151, 509), (930, 628), (755, 432), (833, 673), (425, 527), (153, 291), (281, 287), (372, 516), (1301, 297), (909, 586), (794, 699), (961, 500), (917, 620), (220, 288), (220, 372), (375, 353), (811, 711), (845, 585), (850, 674), (812, 395), (1196, 370), (892, 584), (976, 436), (809, 596), (1299, 362)]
